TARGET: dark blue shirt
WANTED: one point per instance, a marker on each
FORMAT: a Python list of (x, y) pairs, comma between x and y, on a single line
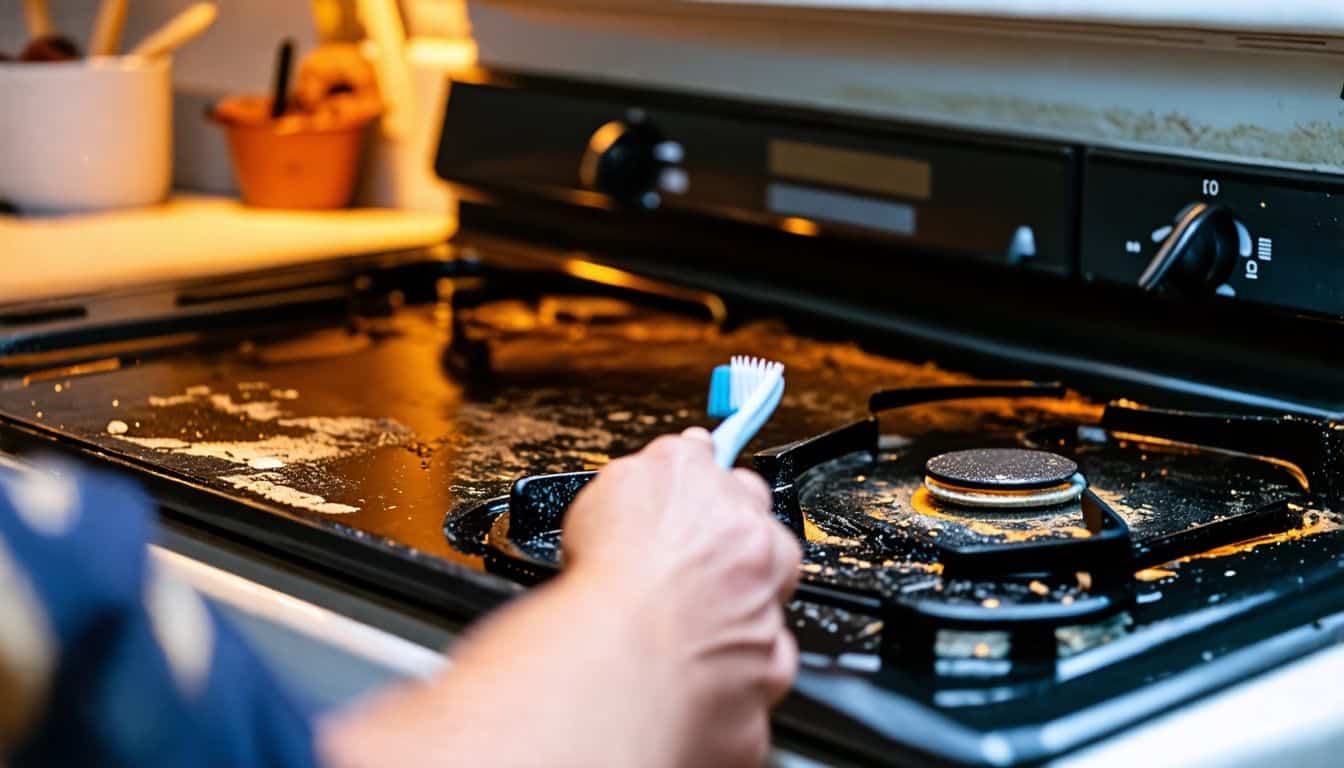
[(105, 660)]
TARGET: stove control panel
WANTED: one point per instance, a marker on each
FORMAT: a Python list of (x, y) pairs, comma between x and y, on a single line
[(1196, 229), (676, 160)]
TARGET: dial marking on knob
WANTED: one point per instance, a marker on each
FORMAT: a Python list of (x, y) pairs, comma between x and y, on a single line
[(1161, 233), (1226, 290), (669, 152), (1264, 249), (1243, 241), (674, 181), (1022, 246)]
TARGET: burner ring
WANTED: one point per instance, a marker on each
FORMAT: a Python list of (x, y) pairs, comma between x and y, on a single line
[(1001, 469), (1012, 499)]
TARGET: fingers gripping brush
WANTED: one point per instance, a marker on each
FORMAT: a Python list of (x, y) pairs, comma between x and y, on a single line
[(744, 394)]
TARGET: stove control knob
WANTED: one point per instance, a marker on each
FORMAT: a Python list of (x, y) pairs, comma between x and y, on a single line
[(1199, 253), (631, 161)]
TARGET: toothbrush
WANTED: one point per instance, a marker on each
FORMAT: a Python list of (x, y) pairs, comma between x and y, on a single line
[(744, 394)]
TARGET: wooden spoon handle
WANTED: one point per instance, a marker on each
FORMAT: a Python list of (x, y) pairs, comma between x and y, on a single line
[(37, 16), (107, 27), (178, 31), (382, 21)]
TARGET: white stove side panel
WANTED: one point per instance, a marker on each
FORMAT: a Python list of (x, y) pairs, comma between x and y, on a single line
[(1291, 717), (1190, 93)]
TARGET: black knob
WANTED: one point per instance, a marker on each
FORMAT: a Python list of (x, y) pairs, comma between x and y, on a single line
[(629, 160), (1200, 252)]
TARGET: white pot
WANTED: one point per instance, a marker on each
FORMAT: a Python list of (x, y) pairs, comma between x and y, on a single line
[(86, 135)]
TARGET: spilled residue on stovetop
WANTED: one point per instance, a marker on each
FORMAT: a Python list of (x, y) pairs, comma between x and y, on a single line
[(391, 425), (379, 430), (265, 443)]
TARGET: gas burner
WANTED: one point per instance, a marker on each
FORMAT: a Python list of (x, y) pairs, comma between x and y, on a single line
[(929, 571), (1003, 478)]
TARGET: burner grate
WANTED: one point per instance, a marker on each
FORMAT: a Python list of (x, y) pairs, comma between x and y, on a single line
[(1016, 577)]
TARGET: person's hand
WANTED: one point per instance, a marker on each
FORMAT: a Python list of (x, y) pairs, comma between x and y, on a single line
[(694, 554), (662, 644)]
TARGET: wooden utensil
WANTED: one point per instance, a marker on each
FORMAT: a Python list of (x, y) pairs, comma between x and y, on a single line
[(382, 21), (37, 16), (178, 31), (107, 27)]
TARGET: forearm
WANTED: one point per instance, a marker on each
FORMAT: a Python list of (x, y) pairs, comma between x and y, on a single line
[(662, 643), (563, 676)]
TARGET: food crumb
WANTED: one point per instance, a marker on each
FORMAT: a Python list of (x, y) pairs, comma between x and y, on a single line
[(1037, 588), (265, 462), (117, 427), (620, 416)]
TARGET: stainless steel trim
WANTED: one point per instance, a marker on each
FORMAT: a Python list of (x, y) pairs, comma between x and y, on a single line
[(370, 643)]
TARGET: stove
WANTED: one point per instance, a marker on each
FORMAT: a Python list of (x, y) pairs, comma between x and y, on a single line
[(1049, 485), (1026, 584)]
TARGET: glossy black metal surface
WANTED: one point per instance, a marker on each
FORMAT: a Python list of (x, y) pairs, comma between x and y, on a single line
[(732, 156), (370, 415), (901, 397), (1291, 224), (422, 415), (1042, 552)]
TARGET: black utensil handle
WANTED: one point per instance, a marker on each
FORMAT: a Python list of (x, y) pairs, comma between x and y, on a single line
[(284, 59)]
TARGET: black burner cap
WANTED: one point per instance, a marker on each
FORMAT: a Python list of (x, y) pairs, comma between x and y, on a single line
[(1000, 469)]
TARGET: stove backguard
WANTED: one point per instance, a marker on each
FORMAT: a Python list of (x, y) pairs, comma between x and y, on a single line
[(1031, 250)]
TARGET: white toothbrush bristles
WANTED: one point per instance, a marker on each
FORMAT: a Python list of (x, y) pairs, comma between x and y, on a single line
[(750, 374)]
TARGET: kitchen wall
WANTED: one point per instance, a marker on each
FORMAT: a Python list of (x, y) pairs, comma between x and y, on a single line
[(235, 55)]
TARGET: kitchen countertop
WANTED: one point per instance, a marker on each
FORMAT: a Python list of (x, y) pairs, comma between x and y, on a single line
[(192, 236)]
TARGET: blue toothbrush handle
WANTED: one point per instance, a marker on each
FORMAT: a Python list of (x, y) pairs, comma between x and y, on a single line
[(720, 393)]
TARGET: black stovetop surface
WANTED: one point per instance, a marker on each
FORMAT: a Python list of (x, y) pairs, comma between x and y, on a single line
[(380, 431), (356, 440)]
